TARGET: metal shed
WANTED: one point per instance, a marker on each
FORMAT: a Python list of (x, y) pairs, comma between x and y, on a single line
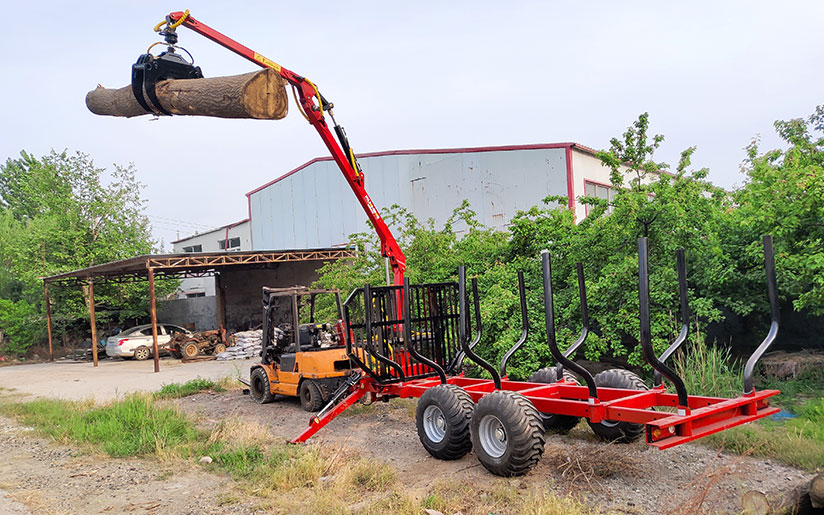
[(149, 267)]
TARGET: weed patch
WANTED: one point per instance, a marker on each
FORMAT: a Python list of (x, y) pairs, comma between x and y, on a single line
[(134, 426), (197, 385)]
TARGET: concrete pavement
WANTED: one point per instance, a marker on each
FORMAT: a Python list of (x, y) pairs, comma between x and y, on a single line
[(111, 379)]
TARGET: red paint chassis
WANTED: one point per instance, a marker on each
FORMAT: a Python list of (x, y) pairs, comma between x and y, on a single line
[(706, 415)]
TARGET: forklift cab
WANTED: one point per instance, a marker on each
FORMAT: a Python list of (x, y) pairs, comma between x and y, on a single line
[(288, 328)]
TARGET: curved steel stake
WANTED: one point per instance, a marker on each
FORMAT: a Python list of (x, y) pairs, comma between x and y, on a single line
[(685, 316), (646, 333), (549, 312), (772, 292), (464, 323), (524, 325)]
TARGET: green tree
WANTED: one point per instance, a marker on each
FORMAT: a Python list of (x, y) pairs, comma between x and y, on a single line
[(783, 195), (60, 212)]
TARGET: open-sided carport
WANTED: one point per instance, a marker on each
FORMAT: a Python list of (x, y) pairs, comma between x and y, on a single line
[(150, 267)]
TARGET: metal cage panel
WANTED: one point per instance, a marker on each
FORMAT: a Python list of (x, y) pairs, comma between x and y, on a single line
[(376, 340)]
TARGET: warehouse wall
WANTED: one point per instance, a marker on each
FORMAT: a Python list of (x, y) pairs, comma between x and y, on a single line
[(314, 207), (200, 312), (243, 289)]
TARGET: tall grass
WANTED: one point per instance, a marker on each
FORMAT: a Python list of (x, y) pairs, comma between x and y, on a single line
[(134, 426), (197, 385), (708, 370)]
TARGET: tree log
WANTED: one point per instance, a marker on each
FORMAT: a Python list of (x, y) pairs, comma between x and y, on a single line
[(805, 499), (260, 95)]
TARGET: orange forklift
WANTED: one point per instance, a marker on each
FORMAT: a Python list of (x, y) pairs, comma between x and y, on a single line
[(305, 360)]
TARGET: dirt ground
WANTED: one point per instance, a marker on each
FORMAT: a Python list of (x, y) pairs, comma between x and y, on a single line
[(39, 476), (639, 479)]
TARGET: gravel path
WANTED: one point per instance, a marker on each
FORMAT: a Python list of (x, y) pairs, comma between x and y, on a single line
[(632, 478)]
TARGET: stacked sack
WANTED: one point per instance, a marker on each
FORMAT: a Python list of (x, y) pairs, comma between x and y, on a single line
[(247, 345)]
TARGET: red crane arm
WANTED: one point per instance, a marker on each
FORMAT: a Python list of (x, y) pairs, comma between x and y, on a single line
[(314, 106)]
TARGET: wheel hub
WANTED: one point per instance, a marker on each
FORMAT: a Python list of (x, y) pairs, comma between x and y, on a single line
[(434, 423), (492, 436)]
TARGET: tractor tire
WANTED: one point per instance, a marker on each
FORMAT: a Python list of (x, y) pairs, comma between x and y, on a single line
[(442, 418), (507, 433), (259, 387), (142, 353), (612, 430), (311, 396), (189, 350), (552, 422), (176, 354), (218, 349)]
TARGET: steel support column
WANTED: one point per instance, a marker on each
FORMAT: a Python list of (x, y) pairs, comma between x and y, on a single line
[(48, 320), (92, 321), (220, 301), (153, 310)]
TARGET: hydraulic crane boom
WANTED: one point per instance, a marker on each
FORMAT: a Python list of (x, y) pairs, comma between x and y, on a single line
[(313, 106)]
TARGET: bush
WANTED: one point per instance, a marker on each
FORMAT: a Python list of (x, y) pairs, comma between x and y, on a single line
[(21, 324)]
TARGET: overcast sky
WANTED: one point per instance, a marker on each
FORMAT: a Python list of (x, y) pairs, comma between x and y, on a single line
[(412, 75)]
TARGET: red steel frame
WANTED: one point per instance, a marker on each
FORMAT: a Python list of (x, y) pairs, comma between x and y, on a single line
[(308, 94), (706, 415)]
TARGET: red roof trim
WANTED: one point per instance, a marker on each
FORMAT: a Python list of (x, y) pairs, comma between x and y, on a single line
[(222, 227), (465, 150)]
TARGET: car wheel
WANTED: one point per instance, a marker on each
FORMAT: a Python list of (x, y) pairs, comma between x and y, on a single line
[(141, 353)]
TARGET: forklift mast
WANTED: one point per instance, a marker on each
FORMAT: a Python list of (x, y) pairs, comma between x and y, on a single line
[(314, 107)]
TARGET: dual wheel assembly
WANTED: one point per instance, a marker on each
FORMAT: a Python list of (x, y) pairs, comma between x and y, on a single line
[(505, 429)]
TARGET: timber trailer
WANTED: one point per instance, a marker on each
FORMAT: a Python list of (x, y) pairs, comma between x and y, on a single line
[(410, 341)]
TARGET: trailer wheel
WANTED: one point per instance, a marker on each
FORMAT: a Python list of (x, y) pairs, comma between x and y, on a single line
[(218, 349), (259, 387), (190, 350), (507, 433), (311, 398), (442, 419), (552, 422), (141, 353), (613, 430)]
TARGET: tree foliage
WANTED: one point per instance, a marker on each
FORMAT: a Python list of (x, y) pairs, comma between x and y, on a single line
[(720, 231), (58, 213)]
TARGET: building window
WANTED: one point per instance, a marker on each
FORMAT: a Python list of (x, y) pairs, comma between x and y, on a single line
[(234, 243), (196, 294), (193, 248), (597, 190)]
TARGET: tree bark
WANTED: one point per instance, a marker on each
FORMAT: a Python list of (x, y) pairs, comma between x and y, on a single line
[(260, 95)]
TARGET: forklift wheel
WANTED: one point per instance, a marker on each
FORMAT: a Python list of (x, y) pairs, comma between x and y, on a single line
[(553, 422), (311, 397), (613, 430), (507, 433), (442, 418), (259, 387)]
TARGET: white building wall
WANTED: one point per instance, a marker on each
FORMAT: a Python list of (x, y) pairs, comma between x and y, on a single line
[(210, 242)]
